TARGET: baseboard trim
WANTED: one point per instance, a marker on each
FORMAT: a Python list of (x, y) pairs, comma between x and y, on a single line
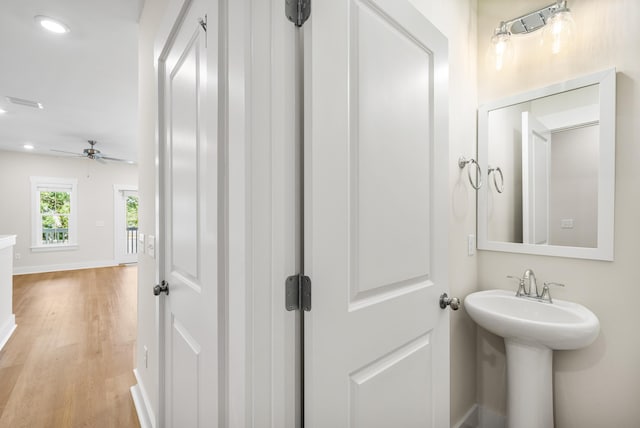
[(23, 270), (7, 330), (146, 416), (481, 417), (470, 419), (488, 418)]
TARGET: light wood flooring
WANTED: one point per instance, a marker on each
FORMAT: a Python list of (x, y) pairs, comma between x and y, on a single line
[(70, 361)]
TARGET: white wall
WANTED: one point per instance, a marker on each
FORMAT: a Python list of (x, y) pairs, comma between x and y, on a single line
[(504, 219), (457, 21), (599, 385), (95, 204), (573, 187)]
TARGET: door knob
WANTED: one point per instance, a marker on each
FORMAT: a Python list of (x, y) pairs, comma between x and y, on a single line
[(162, 288), (445, 301)]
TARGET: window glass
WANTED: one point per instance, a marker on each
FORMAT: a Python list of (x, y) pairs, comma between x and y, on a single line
[(54, 213), (55, 209)]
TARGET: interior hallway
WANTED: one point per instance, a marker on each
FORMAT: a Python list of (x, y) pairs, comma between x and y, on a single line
[(70, 361)]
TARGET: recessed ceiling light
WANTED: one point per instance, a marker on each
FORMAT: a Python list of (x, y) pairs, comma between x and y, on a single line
[(51, 24), (28, 147)]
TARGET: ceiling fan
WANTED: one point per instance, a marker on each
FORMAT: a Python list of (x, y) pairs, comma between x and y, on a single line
[(93, 153)]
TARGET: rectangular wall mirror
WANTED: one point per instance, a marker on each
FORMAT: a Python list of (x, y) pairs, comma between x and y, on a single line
[(548, 159)]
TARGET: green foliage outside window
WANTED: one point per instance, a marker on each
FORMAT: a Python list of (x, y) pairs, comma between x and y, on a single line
[(132, 211), (55, 208)]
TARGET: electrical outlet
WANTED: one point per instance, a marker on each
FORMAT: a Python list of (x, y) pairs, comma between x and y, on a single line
[(146, 358), (18, 256), (566, 223)]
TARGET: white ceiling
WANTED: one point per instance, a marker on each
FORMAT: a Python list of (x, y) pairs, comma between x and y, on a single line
[(85, 79)]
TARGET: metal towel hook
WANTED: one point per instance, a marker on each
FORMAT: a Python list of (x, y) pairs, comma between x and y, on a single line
[(462, 162), (499, 188)]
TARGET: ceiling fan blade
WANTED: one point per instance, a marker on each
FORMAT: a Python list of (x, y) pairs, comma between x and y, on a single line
[(116, 159), (69, 153), (99, 159)]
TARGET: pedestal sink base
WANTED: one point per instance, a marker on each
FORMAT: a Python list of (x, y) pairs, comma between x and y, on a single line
[(531, 330), (529, 385)]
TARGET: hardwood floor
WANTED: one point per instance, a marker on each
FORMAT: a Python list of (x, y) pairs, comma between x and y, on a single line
[(70, 361)]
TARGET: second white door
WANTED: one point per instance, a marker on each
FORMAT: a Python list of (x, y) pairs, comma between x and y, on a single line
[(376, 154)]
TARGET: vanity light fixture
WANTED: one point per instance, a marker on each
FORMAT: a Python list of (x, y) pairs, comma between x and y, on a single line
[(501, 49), (558, 29), (51, 24)]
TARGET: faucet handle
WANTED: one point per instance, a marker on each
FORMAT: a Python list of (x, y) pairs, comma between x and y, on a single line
[(545, 291), (546, 284), (521, 291)]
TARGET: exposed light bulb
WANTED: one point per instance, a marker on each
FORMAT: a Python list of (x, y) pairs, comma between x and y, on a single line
[(500, 53), (558, 33)]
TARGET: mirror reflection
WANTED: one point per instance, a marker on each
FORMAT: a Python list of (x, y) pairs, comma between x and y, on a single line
[(548, 159), (543, 163)]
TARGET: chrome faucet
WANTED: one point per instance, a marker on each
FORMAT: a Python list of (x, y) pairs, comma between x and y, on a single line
[(531, 278)]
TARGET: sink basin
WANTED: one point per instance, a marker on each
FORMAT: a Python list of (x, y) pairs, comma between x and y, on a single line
[(531, 331), (557, 325)]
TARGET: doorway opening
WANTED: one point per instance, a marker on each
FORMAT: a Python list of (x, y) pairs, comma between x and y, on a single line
[(126, 236)]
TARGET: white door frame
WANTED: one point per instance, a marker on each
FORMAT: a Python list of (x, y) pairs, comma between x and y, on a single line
[(264, 130), (532, 128), (119, 222)]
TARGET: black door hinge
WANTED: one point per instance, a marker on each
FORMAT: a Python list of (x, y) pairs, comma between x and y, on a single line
[(298, 293), (297, 11)]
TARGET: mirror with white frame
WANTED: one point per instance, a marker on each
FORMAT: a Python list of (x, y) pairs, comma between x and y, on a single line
[(548, 156)]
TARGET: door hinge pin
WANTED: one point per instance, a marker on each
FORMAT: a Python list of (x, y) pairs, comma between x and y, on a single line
[(298, 293), (297, 11)]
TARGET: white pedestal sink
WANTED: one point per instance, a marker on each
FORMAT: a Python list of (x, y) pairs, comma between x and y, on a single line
[(531, 330)]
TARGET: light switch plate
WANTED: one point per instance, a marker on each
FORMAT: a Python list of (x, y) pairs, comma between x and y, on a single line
[(151, 246), (471, 245)]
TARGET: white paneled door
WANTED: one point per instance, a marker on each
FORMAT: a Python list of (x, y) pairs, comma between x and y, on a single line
[(376, 342), (190, 206)]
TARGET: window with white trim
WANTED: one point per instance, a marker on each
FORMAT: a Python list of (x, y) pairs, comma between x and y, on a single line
[(54, 213)]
